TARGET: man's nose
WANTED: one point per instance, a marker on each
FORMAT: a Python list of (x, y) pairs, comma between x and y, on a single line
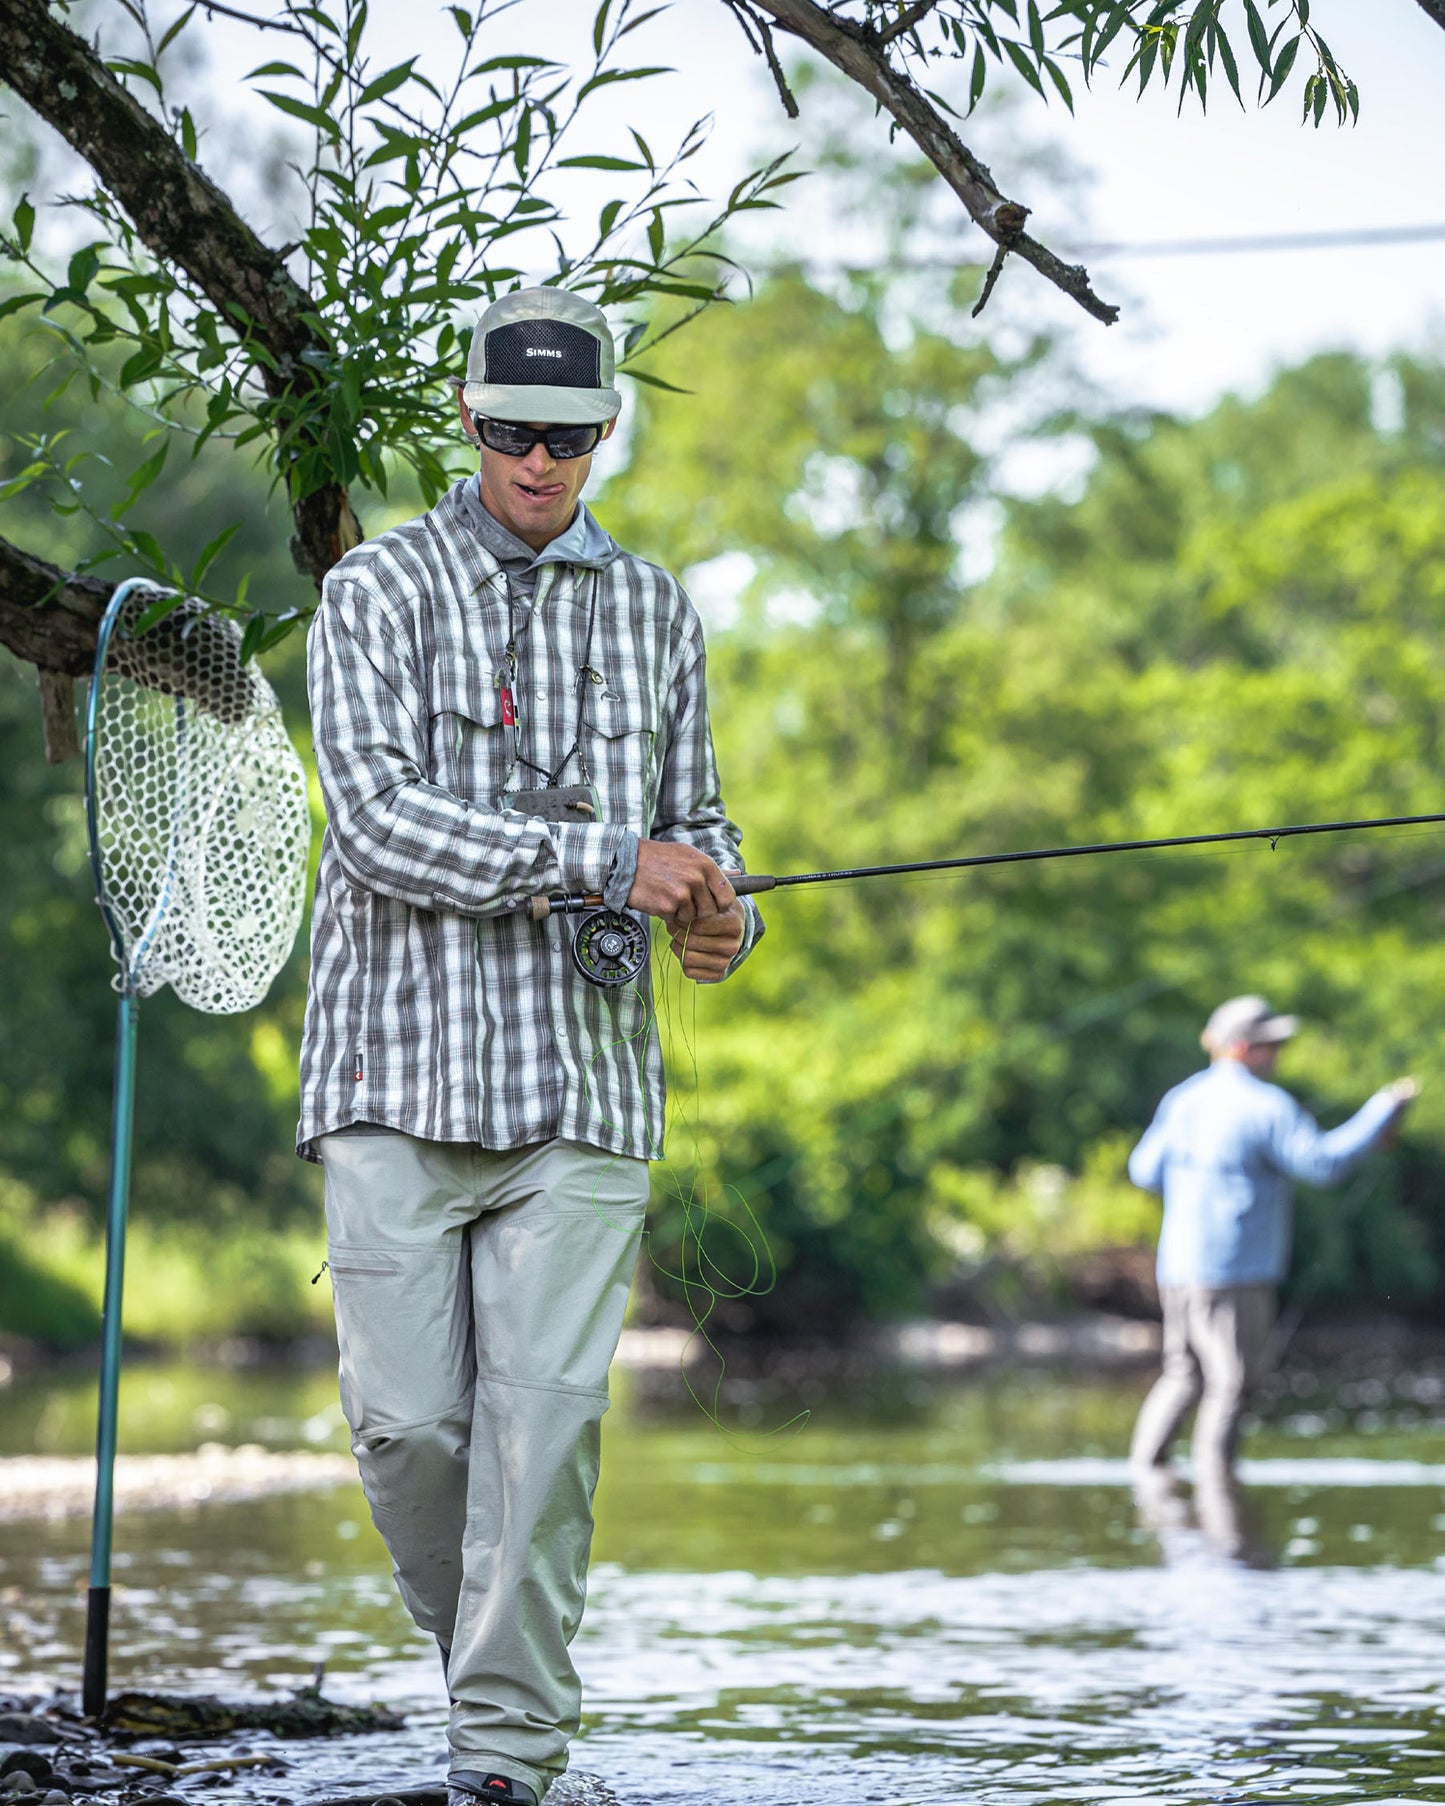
[(539, 462)]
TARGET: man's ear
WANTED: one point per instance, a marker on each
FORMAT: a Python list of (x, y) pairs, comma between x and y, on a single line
[(607, 430), (469, 426)]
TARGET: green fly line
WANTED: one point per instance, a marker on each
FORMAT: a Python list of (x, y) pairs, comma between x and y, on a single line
[(703, 1281)]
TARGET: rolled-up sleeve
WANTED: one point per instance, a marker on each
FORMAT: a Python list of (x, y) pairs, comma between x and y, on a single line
[(689, 797), (1315, 1156), (395, 832)]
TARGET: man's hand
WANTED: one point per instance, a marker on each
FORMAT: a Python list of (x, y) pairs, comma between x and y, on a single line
[(708, 946), (1404, 1091), (680, 884)]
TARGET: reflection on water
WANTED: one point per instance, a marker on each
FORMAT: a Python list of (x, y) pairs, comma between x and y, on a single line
[(933, 1593)]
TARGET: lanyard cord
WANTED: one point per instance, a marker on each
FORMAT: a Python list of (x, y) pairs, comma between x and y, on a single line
[(585, 673)]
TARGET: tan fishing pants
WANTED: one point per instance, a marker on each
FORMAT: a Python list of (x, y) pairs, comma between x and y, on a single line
[(479, 1298), (1215, 1343)]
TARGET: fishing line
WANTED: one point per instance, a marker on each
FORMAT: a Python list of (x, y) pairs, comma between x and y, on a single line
[(708, 1283)]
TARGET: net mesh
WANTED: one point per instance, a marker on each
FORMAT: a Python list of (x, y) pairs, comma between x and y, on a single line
[(201, 824)]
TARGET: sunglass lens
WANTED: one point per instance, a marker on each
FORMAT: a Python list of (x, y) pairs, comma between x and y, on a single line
[(572, 441), (507, 437)]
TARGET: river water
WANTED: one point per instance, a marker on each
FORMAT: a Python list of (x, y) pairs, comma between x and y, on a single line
[(938, 1591)]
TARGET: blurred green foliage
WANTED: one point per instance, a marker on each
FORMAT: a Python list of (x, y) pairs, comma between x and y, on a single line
[(1236, 621), (1232, 621)]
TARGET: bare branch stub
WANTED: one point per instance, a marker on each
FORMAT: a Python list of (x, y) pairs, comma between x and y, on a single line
[(906, 20), (183, 218), (759, 35), (57, 711), (861, 53)]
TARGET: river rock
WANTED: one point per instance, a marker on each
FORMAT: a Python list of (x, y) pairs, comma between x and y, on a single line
[(27, 1762), (26, 1727), (18, 1782)]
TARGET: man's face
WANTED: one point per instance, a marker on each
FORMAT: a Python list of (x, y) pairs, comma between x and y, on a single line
[(1260, 1057), (534, 496)]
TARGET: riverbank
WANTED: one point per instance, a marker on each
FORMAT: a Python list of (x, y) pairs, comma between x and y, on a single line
[(1093, 1340)]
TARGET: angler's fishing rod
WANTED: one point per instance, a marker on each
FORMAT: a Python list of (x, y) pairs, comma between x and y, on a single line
[(611, 946)]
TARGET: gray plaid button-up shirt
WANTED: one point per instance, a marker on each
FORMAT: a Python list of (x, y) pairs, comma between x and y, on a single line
[(436, 1005)]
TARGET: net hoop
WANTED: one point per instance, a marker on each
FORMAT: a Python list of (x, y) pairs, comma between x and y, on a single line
[(197, 812)]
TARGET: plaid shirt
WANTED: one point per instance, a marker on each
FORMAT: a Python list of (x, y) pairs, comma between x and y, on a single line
[(436, 1005)]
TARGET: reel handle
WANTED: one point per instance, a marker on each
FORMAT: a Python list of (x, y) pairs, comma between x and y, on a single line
[(574, 903)]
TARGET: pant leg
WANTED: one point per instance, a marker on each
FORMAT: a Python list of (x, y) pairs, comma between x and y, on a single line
[(1174, 1393), (552, 1262), (1230, 1332), (397, 1215)]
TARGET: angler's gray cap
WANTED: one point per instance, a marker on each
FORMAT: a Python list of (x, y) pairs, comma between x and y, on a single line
[(1246, 1019), (543, 354)]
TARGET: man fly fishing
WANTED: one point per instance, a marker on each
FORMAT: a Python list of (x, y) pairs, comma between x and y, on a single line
[(505, 705)]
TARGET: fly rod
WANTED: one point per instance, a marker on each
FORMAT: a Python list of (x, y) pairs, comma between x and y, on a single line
[(611, 947)]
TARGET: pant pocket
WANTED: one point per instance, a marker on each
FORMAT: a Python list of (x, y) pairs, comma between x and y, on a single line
[(403, 1331)]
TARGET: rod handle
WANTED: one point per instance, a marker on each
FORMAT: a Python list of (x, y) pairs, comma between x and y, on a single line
[(560, 904)]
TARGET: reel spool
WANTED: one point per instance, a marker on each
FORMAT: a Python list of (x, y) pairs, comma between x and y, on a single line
[(611, 947)]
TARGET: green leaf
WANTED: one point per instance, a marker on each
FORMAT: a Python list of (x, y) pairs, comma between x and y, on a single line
[(1056, 74), (124, 65), (175, 31), (188, 134), (599, 163), (274, 69), (386, 84), (1258, 36), (252, 637), (82, 271), (483, 114), (300, 109), (513, 62), (23, 219), (213, 551), (1231, 68), (462, 20), (1019, 57), (656, 382), (599, 26), (978, 78), (12, 304), (1282, 67), (522, 149), (618, 75)]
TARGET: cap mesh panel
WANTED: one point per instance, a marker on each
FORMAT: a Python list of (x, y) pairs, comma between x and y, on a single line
[(543, 351)]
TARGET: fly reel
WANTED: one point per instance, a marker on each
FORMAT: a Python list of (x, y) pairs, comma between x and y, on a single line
[(611, 947)]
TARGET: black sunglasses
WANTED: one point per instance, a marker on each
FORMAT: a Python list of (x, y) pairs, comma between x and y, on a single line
[(514, 439)]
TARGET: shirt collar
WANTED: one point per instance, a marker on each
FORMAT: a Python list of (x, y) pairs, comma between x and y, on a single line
[(582, 543)]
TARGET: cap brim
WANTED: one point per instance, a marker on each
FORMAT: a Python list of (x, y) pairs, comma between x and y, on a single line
[(1277, 1028), (538, 402)]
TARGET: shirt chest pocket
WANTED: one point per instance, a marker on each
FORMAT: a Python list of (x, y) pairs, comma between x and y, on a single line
[(471, 747), (621, 745)]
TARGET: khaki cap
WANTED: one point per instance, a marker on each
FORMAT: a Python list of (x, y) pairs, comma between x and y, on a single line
[(1248, 1019), (543, 354)]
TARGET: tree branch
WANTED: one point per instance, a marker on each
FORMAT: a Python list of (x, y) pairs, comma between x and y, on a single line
[(906, 20), (48, 617), (862, 55), (183, 218)]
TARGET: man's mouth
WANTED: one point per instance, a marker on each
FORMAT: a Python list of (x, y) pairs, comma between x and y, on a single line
[(541, 492)]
